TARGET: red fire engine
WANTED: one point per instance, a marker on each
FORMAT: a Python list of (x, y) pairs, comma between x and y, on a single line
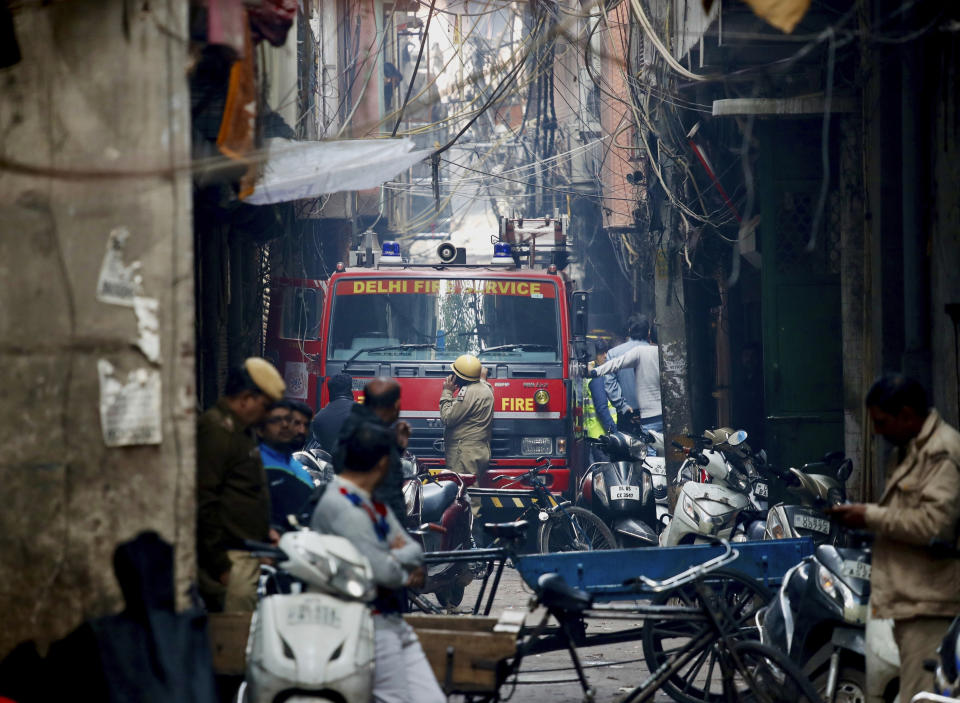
[(384, 317)]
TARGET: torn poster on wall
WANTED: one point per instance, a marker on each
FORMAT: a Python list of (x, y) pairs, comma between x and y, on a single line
[(118, 283), (148, 327), (129, 408)]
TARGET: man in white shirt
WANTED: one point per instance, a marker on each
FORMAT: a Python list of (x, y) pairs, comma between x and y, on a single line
[(402, 673), (644, 359)]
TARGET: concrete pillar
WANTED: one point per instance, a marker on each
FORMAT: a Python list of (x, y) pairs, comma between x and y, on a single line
[(672, 333), (94, 164), (856, 379)]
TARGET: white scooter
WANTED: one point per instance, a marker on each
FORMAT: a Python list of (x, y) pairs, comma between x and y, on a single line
[(710, 510), (314, 641)]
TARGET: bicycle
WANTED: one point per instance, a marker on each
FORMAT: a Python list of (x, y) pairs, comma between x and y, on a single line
[(747, 670), (563, 527)]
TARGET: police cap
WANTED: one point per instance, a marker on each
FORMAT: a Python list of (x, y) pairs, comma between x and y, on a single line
[(265, 377)]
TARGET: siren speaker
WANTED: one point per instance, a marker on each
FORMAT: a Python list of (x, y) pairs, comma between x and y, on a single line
[(447, 252)]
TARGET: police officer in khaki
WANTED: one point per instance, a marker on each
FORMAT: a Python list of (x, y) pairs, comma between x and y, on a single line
[(466, 409), (233, 498)]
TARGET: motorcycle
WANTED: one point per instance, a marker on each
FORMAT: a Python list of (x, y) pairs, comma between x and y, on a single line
[(622, 491), (730, 505), (439, 515), (813, 487), (818, 618), (311, 636)]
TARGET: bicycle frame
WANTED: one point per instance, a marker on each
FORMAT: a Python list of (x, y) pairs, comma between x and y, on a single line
[(570, 632), (544, 498)]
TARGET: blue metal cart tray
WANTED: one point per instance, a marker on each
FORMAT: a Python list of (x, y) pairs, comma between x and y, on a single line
[(603, 572)]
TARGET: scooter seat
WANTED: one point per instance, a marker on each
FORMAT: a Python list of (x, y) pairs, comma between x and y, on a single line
[(508, 531), (437, 497), (556, 594)]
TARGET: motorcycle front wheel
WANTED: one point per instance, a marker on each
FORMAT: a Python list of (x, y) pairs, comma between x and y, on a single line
[(575, 530)]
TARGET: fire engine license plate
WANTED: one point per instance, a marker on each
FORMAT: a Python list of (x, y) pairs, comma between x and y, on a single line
[(624, 493), (855, 569), (807, 522), (761, 489)]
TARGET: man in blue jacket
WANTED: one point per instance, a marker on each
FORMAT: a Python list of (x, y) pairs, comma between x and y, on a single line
[(290, 484)]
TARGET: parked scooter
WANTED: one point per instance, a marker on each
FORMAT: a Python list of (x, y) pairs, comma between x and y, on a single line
[(818, 618), (311, 636), (946, 679), (438, 513), (621, 491), (716, 509), (318, 463), (813, 487)]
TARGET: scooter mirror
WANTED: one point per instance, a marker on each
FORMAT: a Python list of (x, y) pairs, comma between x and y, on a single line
[(738, 437), (843, 473)]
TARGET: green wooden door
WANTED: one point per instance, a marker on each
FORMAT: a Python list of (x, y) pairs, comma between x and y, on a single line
[(803, 368)]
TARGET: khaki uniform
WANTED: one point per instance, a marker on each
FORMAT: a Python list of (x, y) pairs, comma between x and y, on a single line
[(468, 425), (921, 592), (233, 504)]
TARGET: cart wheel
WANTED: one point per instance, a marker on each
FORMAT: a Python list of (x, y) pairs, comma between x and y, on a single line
[(558, 534), (700, 680), (764, 674)]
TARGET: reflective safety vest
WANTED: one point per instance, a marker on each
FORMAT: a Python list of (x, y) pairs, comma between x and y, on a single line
[(591, 423)]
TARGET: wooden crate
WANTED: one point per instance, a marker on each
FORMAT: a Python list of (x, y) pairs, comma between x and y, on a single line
[(467, 653), (228, 642)]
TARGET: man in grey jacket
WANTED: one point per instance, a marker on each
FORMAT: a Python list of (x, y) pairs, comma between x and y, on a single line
[(402, 673), (911, 581)]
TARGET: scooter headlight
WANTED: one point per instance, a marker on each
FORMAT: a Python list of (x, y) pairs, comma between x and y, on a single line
[(410, 491), (841, 594), (737, 480), (828, 584), (637, 447), (352, 580), (691, 510), (600, 489), (340, 575), (774, 528)]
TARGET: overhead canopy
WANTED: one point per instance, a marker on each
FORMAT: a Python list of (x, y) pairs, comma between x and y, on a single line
[(296, 170)]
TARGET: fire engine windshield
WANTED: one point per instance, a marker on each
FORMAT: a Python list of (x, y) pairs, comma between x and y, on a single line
[(499, 319)]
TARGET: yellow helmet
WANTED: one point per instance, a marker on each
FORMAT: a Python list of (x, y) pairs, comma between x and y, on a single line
[(467, 367)]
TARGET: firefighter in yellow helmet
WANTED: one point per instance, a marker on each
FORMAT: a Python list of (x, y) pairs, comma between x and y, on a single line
[(466, 409)]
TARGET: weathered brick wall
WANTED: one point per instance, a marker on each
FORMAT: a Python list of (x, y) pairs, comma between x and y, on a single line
[(94, 138)]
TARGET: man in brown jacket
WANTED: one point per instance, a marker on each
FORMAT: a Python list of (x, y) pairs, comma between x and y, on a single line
[(466, 410), (910, 581)]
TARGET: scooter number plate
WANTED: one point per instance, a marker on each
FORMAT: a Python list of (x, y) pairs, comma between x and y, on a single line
[(313, 614), (761, 489), (855, 569), (807, 522), (624, 493)]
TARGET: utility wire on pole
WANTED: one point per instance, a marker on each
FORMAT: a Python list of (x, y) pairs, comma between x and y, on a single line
[(416, 68)]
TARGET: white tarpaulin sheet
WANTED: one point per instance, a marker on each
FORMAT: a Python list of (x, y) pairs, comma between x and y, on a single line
[(297, 170)]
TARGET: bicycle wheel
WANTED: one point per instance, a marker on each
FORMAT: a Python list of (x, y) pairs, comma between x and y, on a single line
[(699, 681), (575, 530), (764, 674)]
